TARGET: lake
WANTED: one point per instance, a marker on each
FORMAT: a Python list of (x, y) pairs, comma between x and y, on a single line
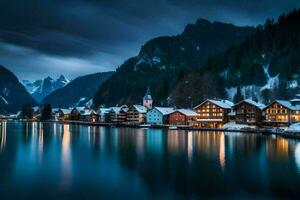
[(60, 161)]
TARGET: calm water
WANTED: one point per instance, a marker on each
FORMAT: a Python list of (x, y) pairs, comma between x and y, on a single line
[(54, 161)]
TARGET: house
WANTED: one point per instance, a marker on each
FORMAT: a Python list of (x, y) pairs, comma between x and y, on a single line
[(182, 117), (89, 115), (213, 113), (158, 115), (102, 112), (248, 112), (62, 114), (117, 115), (136, 114), (77, 111), (282, 112)]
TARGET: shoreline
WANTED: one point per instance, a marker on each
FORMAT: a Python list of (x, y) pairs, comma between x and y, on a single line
[(285, 134)]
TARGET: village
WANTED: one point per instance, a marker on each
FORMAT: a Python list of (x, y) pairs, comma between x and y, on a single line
[(214, 114)]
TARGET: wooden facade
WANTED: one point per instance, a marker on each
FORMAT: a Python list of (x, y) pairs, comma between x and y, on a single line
[(116, 115), (248, 112), (281, 113), (213, 113), (182, 117), (136, 114)]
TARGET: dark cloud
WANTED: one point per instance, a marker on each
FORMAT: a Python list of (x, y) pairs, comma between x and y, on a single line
[(105, 32)]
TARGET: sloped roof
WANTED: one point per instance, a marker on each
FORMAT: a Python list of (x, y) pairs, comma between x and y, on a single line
[(286, 104), (147, 95), (103, 110), (164, 110), (66, 111), (221, 103), (140, 108), (187, 112), (87, 112), (254, 103)]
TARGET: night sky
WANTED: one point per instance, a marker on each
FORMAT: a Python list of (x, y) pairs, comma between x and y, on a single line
[(77, 37)]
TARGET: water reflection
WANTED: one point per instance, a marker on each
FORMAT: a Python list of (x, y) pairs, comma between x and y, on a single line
[(3, 136), (297, 156), (98, 162), (66, 157)]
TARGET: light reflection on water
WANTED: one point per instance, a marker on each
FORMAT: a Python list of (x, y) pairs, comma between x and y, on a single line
[(93, 162)]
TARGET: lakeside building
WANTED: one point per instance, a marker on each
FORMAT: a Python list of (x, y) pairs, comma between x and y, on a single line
[(248, 112), (116, 115), (102, 112), (136, 114), (158, 115), (283, 112), (62, 114), (213, 113), (89, 115), (182, 117)]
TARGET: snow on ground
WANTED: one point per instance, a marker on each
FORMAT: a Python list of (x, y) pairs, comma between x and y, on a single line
[(294, 127), (235, 126)]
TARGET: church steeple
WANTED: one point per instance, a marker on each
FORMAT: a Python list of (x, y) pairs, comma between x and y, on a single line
[(147, 99)]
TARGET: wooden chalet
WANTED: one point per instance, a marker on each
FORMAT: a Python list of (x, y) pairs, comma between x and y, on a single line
[(182, 117), (117, 115), (248, 112), (282, 112), (62, 114), (136, 114), (213, 113), (102, 113)]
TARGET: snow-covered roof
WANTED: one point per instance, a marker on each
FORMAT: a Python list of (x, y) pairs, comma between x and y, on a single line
[(187, 112), (140, 108), (87, 112), (80, 108), (221, 103), (103, 110), (286, 104), (254, 103), (66, 111), (118, 109), (165, 110), (36, 108)]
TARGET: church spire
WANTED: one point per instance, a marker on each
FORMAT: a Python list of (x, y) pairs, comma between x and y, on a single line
[(147, 99)]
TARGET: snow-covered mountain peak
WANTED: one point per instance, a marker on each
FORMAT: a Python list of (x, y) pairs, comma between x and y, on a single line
[(41, 88)]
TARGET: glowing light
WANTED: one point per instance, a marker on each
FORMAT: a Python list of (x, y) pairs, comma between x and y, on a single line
[(3, 136), (190, 146), (297, 156), (222, 151), (66, 157)]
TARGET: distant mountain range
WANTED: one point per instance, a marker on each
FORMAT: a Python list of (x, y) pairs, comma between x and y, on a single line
[(164, 61), (13, 95), (78, 92), (41, 88)]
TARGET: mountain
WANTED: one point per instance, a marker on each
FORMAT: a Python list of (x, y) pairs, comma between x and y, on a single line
[(162, 62), (264, 67), (77, 92), (13, 95), (41, 88)]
